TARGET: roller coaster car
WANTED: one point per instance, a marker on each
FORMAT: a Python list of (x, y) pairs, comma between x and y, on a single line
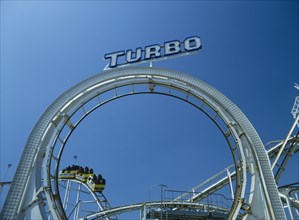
[(69, 172), (96, 183), (82, 175), (66, 174)]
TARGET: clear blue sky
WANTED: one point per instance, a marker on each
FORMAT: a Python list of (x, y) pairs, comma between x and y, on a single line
[(250, 53)]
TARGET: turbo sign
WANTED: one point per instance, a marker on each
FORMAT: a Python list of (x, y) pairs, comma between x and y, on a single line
[(153, 52)]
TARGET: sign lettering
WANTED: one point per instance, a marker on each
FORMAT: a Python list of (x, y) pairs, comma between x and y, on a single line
[(152, 52)]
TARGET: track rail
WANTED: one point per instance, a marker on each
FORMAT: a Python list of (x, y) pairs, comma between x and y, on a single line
[(293, 148), (35, 175), (157, 204)]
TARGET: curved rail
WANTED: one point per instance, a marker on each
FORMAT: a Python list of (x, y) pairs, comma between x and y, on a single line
[(35, 174), (289, 191), (157, 204), (293, 147), (103, 203)]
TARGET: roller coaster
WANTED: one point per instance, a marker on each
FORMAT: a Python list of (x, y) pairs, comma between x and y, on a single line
[(198, 203), (41, 189), (85, 175)]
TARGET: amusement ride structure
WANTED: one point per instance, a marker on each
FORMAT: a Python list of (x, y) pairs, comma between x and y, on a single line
[(42, 189)]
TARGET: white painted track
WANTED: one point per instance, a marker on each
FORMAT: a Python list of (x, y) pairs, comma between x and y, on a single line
[(28, 189)]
